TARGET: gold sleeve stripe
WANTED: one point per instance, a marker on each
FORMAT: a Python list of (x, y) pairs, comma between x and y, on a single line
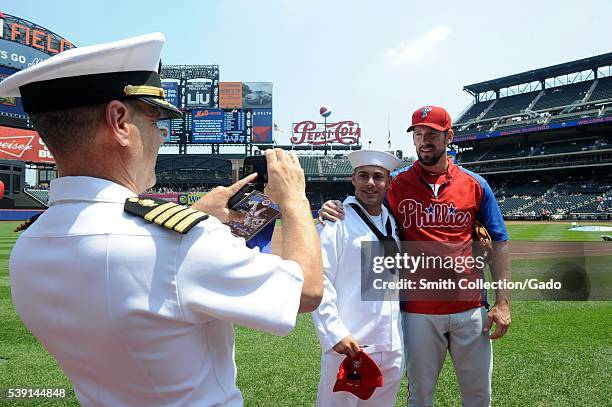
[(177, 218), (151, 215), (185, 223), (167, 214)]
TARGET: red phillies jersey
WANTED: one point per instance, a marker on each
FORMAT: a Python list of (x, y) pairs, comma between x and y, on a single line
[(443, 213)]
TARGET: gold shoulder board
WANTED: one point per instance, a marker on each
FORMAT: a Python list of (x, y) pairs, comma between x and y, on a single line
[(27, 223), (170, 215)]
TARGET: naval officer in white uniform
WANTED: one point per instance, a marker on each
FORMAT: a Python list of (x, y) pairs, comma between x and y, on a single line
[(344, 322), (136, 298)]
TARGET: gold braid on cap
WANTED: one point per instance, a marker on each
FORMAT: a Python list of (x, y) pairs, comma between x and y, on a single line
[(143, 90)]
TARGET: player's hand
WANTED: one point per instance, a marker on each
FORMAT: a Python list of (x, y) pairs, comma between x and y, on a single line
[(286, 183), (215, 202), (331, 210), (500, 314), (347, 346)]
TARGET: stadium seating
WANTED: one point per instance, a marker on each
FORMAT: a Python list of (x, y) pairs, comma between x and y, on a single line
[(522, 189), (509, 205), (511, 104), (336, 167), (566, 146), (592, 207), (506, 152), (562, 203), (310, 166), (562, 95), (518, 124), (574, 115), (41, 195), (603, 90), (497, 153), (470, 155), (568, 197), (551, 147), (584, 188), (474, 111)]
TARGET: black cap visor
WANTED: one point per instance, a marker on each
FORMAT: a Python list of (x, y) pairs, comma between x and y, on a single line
[(166, 109)]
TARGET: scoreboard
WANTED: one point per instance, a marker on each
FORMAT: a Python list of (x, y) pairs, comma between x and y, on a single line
[(215, 112)]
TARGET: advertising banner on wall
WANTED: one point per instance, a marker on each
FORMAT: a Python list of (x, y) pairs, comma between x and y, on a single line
[(257, 95), (191, 198), (207, 126), (198, 93), (170, 197), (19, 56), (230, 95), (23, 145), (171, 92), (11, 109), (262, 126), (10, 105), (571, 122), (345, 132)]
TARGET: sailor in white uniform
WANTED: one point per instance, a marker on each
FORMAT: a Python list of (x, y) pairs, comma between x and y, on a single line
[(344, 321)]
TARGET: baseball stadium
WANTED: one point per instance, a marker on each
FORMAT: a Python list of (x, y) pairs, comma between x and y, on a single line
[(542, 139)]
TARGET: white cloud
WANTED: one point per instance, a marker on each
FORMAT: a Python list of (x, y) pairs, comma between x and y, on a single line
[(418, 49)]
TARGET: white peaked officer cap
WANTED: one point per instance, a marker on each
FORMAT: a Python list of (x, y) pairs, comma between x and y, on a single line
[(126, 69), (373, 157)]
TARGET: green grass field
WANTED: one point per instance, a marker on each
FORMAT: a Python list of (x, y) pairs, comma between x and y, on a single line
[(555, 354)]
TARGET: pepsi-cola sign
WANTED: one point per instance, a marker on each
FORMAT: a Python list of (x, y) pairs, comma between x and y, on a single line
[(345, 132)]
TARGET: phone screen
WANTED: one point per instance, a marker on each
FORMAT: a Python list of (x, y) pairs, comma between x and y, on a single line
[(258, 164)]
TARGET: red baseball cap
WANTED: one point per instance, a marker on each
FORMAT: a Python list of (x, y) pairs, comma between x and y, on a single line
[(359, 375), (431, 116)]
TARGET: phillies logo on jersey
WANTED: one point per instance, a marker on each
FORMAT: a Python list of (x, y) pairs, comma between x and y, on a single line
[(434, 216), (425, 111)]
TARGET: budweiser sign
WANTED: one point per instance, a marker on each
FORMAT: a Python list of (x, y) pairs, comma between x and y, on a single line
[(15, 146), (308, 132), (23, 145)]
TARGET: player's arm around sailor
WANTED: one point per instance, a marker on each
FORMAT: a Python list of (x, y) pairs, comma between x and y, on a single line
[(346, 324)]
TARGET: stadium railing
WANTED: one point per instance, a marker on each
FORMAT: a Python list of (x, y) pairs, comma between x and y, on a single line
[(39, 195)]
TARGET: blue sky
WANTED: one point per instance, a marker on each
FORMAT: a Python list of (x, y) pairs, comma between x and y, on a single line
[(368, 60)]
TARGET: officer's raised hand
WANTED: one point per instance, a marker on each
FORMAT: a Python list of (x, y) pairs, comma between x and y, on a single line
[(286, 183), (215, 202)]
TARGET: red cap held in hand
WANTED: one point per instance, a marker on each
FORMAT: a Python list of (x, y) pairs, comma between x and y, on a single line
[(359, 375)]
